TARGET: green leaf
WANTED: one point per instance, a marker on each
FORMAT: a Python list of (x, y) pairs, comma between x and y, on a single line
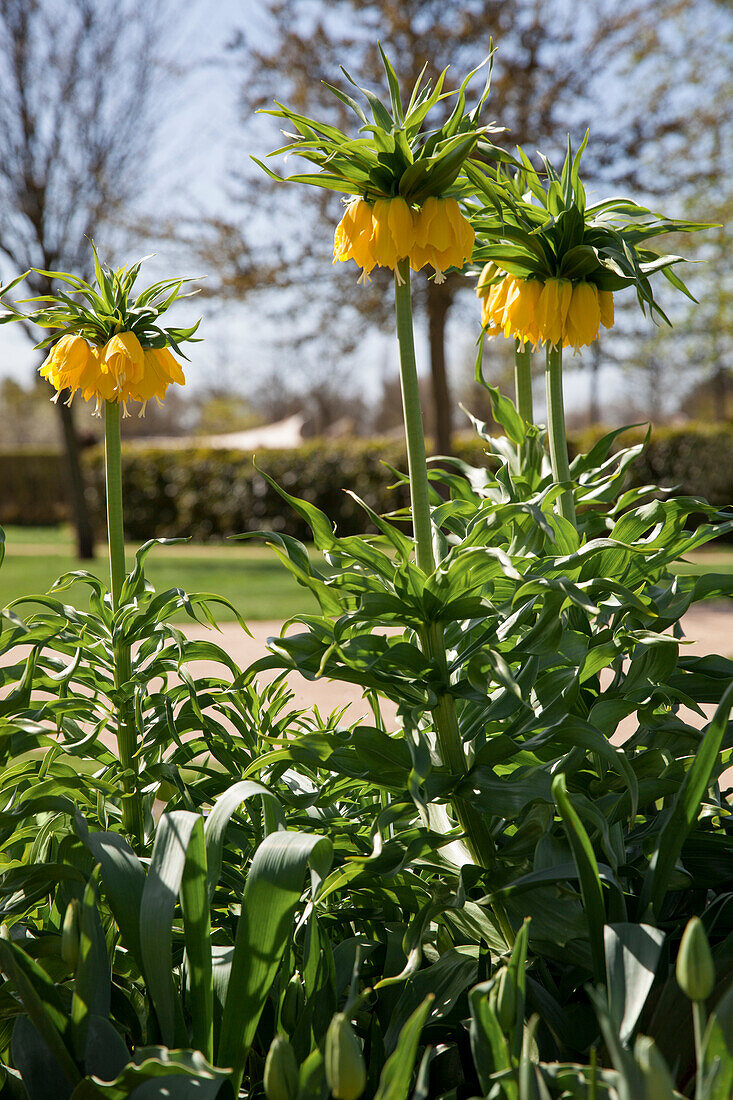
[(632, 957), (396, 1076), (590, 883), (219, 818), (271, 895), (685, 809), (41, 1000), (178, 833)]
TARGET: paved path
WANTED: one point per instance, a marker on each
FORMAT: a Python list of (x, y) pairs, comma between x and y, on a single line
[(709, 627)]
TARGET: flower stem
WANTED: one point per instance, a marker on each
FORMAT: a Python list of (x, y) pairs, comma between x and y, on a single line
[(556, 430), (699, 1023), (523, 381), (478, 836), (132, 818)]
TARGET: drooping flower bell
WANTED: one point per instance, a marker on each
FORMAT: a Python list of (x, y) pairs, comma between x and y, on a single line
[(383, 233), (109, 346), (120, 371), (70, 365), (443, 237), (554, 312)]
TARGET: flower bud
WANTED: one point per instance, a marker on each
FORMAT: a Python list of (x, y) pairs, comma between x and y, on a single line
[(504, 999), (281, 1071), (293, 1003), (70, 935), (345, 1068), (695, 969)]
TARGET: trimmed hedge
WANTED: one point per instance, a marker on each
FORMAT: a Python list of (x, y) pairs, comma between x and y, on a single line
[(209, 494)]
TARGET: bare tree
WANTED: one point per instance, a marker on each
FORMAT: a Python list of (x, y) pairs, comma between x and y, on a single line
[(77, 84)]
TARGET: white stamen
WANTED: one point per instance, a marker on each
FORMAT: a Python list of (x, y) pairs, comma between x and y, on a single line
[(363, 279)]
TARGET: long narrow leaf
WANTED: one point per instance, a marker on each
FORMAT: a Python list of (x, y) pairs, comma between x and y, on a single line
[(271, 895), (590, 882)]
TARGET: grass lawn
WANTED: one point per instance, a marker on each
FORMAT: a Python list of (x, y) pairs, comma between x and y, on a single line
[(248, 575)]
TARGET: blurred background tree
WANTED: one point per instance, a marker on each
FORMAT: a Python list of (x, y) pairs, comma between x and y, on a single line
[(80, 87), (649, 80)]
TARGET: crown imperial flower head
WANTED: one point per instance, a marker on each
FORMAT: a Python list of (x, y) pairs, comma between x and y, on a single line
[(551, 262), (406, 177), (111, 346)]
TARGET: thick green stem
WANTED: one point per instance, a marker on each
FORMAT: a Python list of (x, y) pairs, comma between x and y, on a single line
[(478, 836), (414, 433), (556, 430), (523, 381), (132, 817)]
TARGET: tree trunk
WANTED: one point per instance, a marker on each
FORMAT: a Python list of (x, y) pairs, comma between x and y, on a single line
[(438, 303), (79, 510), (720, 392)]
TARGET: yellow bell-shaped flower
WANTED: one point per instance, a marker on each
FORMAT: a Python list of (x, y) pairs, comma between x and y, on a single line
[(552, 310), (122, 358), (353, 236), (443, 237), (584, 316), (520, 313), (69, 365), (159, 370)]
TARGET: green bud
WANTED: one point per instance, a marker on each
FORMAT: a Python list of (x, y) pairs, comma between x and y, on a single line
[(70, 935), (293, 1003), (345, 1068), (281, 1071), (504, 999), (695, 969), (658, 1083)]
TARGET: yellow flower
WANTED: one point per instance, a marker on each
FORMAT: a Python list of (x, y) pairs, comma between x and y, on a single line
[(401, 222), (159, 370), (69, 365), (122, 358), (520, 312), (443, 237), (384, 246), (584, 316), (352, 240), (510, 308), (605, 301), (552, 310), (120, 371)]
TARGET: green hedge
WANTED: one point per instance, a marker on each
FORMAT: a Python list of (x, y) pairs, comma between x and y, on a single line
[(210, 494)]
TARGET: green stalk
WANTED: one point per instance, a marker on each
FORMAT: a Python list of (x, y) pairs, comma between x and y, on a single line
[(523, 381), (478, 836), (556, 430), (699, 1023), (132, 817)]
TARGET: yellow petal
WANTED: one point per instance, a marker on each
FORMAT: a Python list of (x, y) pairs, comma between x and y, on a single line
[(605, 301), (401, 226), (584, 316), (382, 245)]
